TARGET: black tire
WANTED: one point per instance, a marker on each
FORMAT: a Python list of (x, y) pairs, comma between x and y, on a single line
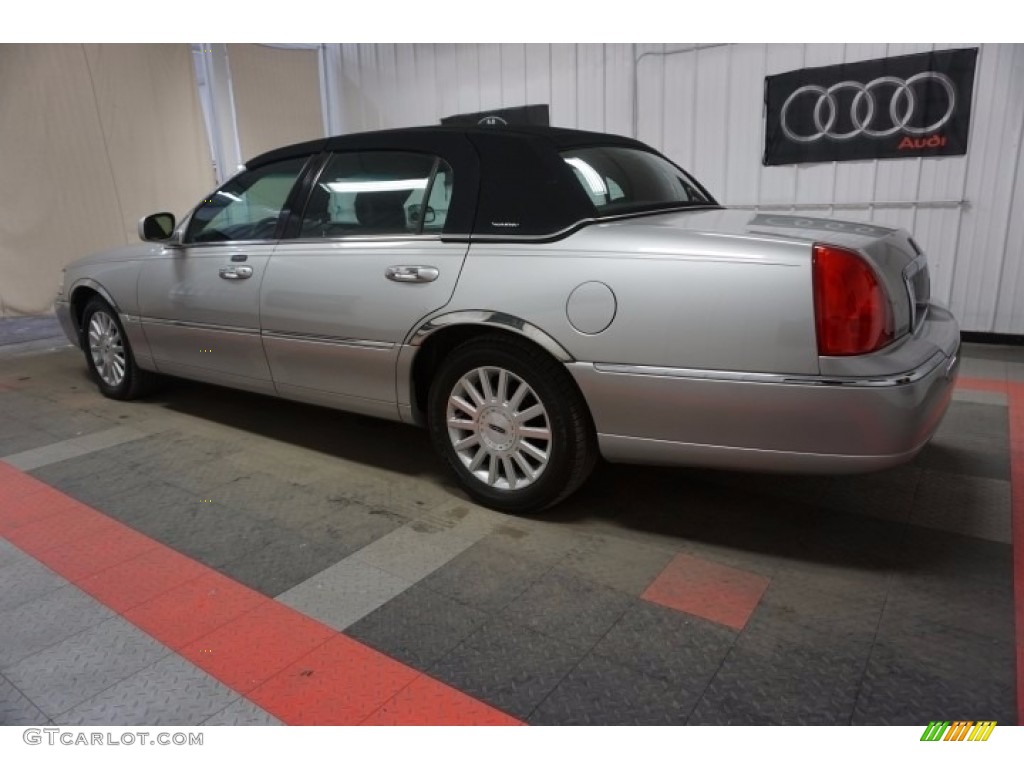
[(134, 382), (571, 449)]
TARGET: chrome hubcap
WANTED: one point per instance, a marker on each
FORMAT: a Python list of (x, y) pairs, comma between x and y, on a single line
[(106, 348), (499, 428)]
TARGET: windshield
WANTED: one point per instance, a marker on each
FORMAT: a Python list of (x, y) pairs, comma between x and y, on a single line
[(622, 179)]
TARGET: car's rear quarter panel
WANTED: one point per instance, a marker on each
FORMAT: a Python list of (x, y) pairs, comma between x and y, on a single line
[(684, 300)]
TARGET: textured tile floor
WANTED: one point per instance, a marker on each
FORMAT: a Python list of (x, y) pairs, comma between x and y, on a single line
[(885, 598)]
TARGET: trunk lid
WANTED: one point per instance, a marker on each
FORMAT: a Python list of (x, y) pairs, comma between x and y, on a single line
[(893, 254)]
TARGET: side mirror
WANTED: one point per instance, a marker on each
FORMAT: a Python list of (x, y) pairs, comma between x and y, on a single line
[(156, 227)]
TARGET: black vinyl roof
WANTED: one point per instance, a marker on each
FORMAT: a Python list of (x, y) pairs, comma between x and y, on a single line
[(560, 138), (509, 181)]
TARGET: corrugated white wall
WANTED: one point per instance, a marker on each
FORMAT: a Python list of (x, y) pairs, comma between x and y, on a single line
[(702, 106)]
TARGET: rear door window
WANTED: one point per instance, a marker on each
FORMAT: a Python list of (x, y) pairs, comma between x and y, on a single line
[(378, 194)]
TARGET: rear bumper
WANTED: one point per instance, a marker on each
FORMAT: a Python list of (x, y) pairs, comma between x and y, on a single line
[(776, 422)]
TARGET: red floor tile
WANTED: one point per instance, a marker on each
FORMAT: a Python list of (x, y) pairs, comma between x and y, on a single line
[(135, 580), (194, 609), (59, 520), (707, 589), (80, 559), (20, 500), (340, 683), (427, 701), (302, 671), (257, 645)]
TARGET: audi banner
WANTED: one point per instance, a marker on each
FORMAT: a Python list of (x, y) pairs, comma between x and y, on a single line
[(904, 106)]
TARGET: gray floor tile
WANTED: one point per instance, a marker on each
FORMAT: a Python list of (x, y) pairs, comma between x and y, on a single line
[(564, 606), (170, 692), (976, 368), (508, 666), (545, 542), (414, 550), (979, 397), (799, 609), (78, 668), (623, 565), (465, 519), (146, 506), (242, 712), (910, 679), (964, 504), (101, 466), (963, 458), (25, 439), (288, 560), (771, 680), (886, 495), (485, 576), (977, 424), (26, 579), (928, 605), (345, 526), (681, 649), (16, 709), (344, 593), (954, 561), (208, 532), (418, 626), (601, 692), (975, 350), (38, 624), (10, 554)]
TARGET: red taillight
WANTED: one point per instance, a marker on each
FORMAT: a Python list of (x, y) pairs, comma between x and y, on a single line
[(851, 308)]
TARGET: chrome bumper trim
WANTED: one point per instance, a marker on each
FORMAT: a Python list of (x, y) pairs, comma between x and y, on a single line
[(805, 380)]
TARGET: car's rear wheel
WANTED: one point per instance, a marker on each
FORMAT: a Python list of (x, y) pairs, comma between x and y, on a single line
[(109, 355), (511, 424)]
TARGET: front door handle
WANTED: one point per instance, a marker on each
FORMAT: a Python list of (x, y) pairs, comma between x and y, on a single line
[(411, 274), (235, 273)]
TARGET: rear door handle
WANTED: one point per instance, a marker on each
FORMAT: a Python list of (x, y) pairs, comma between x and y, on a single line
[(235, 273), (411, 274)]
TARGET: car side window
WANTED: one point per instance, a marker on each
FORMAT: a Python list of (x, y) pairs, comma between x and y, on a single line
[(248, 206), (378, 193), (617, 179)]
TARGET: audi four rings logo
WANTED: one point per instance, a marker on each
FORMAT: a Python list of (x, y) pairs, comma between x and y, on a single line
[(868, 104)]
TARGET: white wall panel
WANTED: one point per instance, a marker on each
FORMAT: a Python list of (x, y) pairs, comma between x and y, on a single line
[(703, 106)]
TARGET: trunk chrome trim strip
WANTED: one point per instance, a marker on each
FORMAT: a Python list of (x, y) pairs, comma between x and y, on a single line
[(894, 380)]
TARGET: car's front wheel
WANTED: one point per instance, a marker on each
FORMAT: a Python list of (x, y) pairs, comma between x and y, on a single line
[(511, 424), (108, 354)]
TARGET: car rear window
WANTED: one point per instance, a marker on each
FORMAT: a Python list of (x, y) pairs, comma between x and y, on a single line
[(623, 179)]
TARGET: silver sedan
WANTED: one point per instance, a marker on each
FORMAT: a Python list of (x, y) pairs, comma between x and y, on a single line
[(535, 298)]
